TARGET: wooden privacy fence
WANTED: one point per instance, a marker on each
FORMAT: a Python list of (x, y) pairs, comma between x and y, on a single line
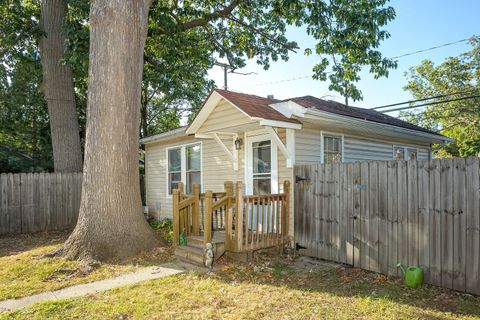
[(262, 222), (34, 202), (373, 215)]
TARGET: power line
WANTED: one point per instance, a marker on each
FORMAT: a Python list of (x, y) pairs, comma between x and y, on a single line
[(430, 49), (423, 99), (395, 57), (431, 103)]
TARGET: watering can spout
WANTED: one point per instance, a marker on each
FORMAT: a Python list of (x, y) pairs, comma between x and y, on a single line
[(400, 265)]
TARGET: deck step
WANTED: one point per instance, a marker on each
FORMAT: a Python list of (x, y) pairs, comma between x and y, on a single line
[(190, 254)]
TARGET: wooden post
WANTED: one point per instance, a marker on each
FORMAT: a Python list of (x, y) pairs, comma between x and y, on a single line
[(207, 219), (239, 216), (196, 209), (176, 217), (286, 211), (180, 189), (229, 214)]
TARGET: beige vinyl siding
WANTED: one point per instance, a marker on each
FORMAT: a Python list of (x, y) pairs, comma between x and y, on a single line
[(217, 166), (224, 116), (159, 203), (307, 144), (355, 148)]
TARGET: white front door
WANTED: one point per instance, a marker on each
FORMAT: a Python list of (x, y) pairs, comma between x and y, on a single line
[(261, 175)]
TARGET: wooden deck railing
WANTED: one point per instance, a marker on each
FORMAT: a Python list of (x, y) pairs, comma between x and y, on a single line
[(262, 220)]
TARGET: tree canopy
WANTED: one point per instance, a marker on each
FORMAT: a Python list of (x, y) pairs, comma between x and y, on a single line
[(459, 119), (186, 38)]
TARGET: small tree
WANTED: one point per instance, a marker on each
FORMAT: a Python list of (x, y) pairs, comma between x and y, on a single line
[(457, 119)]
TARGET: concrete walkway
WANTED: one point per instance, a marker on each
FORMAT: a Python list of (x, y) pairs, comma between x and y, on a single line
[(148, 273)]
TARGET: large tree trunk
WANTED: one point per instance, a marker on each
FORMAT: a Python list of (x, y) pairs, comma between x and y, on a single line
[(111, 222), (58, 89)]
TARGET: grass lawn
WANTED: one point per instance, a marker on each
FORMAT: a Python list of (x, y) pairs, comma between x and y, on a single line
[(278, 290), (22, 273)]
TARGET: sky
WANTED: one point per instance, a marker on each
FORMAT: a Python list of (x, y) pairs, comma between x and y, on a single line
[(419, 24)]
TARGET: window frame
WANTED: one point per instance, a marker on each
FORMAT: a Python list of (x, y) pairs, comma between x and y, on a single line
[(324, 134), (406, 149), (183, 166)]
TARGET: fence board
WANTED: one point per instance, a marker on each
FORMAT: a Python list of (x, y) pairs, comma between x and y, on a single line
[(372, 193), (472, 246), (382, 217), (35, 202), (446, 240), (423, 217), (392, 218), (375, 214), (459, 224), (357, 235)]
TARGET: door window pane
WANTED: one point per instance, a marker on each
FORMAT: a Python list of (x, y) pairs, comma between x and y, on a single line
[(261, 157), (262, 185), (262, 166)]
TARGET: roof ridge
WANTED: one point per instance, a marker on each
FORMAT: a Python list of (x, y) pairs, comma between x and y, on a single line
[(246, 94)]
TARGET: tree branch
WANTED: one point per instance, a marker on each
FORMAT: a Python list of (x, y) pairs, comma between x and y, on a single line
[(262, 33), (200, 22)]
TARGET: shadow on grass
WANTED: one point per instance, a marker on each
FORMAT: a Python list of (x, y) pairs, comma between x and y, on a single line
[(345, 281), (15, 244)]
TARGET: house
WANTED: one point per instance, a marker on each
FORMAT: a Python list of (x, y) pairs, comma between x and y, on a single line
[(256, 142)]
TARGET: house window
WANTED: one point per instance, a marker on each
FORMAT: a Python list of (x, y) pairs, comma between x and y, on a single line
[(184, 165), (404, 153), (262, 167), (332, 149), (193, 166), (174, 168), (399, 153)]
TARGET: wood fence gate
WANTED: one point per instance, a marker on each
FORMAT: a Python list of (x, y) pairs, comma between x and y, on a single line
[(375, 214)]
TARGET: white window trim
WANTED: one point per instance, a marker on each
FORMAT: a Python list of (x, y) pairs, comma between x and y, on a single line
[(405, 153), (331, 134), (183, 160), (249, 162)]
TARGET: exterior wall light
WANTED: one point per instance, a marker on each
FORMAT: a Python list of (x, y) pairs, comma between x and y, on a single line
[(238, 144)]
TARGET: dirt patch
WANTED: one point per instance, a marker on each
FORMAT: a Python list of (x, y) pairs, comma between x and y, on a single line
[(10, 245)]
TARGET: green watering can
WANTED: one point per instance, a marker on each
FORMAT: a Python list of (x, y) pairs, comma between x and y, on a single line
[(413, 276), (182, 239)]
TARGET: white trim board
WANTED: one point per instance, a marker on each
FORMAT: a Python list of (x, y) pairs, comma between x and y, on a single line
[(249, 140)]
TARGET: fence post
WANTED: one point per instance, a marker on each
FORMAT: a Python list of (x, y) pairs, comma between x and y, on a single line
[(180, 189), (239, 216), (228, 185), (207, 219), (286, 211), (176, 217), (196, 206)]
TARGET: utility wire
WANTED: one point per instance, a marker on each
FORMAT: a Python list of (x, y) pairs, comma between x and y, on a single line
[(396, 57), (430, 103), (430, 49), (423, 99)]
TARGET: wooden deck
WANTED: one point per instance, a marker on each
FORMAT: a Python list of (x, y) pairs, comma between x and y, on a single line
[(212, 218)]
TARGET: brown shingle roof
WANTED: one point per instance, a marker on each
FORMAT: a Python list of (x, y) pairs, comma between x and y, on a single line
[(354, 112), (255, 106)]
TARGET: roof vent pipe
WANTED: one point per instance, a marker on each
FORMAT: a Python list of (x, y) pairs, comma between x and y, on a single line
[(270, 96)]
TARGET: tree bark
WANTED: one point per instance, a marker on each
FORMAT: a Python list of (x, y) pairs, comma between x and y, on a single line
[(111, 222), (57, 87)]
